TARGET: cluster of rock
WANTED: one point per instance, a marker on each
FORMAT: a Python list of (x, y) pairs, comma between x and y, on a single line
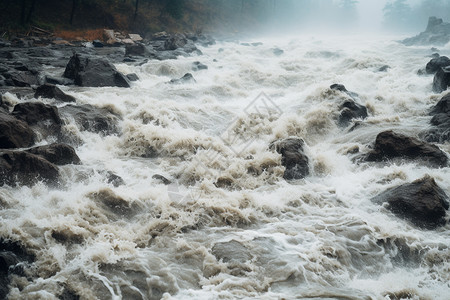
[(436, 33), (22, 65)]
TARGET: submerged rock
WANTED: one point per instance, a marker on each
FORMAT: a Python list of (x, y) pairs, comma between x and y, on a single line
[(197, 66), (232, 251), (293, 157), (187, 78), (94, 72), (390, 145), (422, 202), (437, 33), (14, 133), (52, 92), (349, 109), (20, 167)]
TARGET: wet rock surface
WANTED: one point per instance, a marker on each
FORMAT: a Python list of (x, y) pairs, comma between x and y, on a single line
[(53, 92), (13, 259), (94, 72), (441, 80), (14, 133), (91, 118), (421, 202), (436, 64), (349, 109), (293, 157), (391, 145), (440, 131), (20, 167), (58, 154)]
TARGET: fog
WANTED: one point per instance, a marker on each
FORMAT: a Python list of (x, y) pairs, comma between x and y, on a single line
[(345, 16)]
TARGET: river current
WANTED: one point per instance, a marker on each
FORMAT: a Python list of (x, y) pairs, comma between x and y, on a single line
[(228, 225)]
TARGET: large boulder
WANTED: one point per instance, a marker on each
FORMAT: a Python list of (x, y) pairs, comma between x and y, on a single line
[(175, 41), (349, 109), (41, 117), (58, 154), (91, 118), (391, 145), (440, 131), (94, 72), (441, 80), (52, 92), (21, 78), (436, 64), (422, 202), (14, 133), (437, 33), (23, 168), (293, 157)]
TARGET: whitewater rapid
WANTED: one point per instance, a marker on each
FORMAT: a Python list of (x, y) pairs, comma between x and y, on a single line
[(251, 234)]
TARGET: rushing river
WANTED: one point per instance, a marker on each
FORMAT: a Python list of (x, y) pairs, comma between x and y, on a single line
[(228, 225)]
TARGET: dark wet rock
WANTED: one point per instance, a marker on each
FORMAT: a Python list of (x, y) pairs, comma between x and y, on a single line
[(197, 66), (94, 72), (175, 41), (137, 49), (132, 77), (27, 66), (161, 179), (20, 167), (98, 44), (441, 80), (114, 179), (187, 78), (13, 258), (391, 145), (277, 51), (437, 63), (440, 131), (58, 154), (14, 133), (91, 118), (293, 158), (349, 109), (67, 294), (232, 251), (437, 33), (21, 78), (40, 116), (58, 80), (422, 202), (109, 200), (42, 52), (53, 92), (384, 68), (224, 182)]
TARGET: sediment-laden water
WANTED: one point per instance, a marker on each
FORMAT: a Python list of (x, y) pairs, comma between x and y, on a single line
[(228, 225)]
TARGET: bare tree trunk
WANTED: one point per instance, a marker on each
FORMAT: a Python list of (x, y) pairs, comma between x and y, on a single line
[(74, 7), (30, 13), (136, 9)]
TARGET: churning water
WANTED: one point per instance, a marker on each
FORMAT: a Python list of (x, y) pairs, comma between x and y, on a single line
[(229, 226)]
